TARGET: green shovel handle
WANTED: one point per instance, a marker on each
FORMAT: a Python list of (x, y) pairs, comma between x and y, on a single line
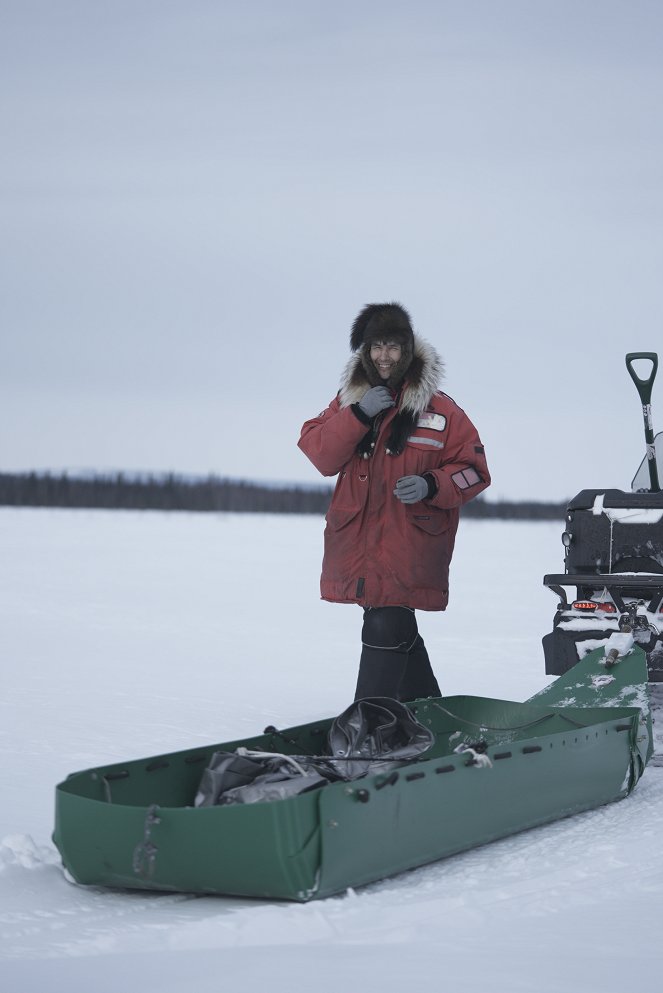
[(643, 386)]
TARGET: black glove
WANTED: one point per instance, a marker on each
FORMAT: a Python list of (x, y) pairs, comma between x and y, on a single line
[(412, 489), (376, 400)]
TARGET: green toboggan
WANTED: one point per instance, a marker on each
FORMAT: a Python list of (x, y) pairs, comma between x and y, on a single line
[(496, 767)]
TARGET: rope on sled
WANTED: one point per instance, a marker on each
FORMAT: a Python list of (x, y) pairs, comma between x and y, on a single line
[(249, 753), (145, 854), (478, 758), (512, 727)]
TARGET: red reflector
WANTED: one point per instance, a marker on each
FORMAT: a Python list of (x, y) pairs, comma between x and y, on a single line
[(608, 608), (584, 605)]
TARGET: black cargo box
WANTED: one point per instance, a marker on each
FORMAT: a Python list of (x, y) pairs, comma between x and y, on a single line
[(614, 531)]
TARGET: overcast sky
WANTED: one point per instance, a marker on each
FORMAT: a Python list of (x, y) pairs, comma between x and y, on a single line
[(198, 196)]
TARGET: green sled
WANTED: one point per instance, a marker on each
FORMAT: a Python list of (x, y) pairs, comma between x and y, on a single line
[(581, 742)]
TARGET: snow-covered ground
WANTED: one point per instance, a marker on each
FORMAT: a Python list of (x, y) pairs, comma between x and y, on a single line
[(130, 634)]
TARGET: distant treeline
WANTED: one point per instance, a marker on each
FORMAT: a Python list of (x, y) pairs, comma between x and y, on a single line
[(122, 491)]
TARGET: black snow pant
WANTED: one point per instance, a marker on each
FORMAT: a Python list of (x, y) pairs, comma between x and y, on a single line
[(394, 661)]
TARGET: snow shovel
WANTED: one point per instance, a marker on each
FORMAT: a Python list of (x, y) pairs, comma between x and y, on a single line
[(644, 388)]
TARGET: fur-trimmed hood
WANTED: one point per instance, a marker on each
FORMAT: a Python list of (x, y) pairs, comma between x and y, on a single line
[(421, 383), (422, 380)]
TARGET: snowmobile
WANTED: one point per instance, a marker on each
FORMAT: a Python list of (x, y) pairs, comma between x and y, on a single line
[(613, 559)]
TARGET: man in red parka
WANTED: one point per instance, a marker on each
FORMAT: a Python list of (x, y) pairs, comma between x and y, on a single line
[(407, 458)]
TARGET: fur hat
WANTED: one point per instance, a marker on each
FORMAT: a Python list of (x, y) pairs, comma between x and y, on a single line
[(380, 322)]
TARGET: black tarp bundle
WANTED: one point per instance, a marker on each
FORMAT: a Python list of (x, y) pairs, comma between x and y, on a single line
[(372, 735)]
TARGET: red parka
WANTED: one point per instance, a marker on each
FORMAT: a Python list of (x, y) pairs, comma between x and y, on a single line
[(378, 551)]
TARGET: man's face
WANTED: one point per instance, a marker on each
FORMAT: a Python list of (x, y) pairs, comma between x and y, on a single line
[(384, 356)]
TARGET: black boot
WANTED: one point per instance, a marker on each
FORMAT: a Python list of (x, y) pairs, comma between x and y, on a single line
[(388, 634), (418, 679), (381, 672)]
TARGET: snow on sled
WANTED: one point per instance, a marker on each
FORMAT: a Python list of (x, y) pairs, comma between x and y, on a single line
[(487, 768)]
